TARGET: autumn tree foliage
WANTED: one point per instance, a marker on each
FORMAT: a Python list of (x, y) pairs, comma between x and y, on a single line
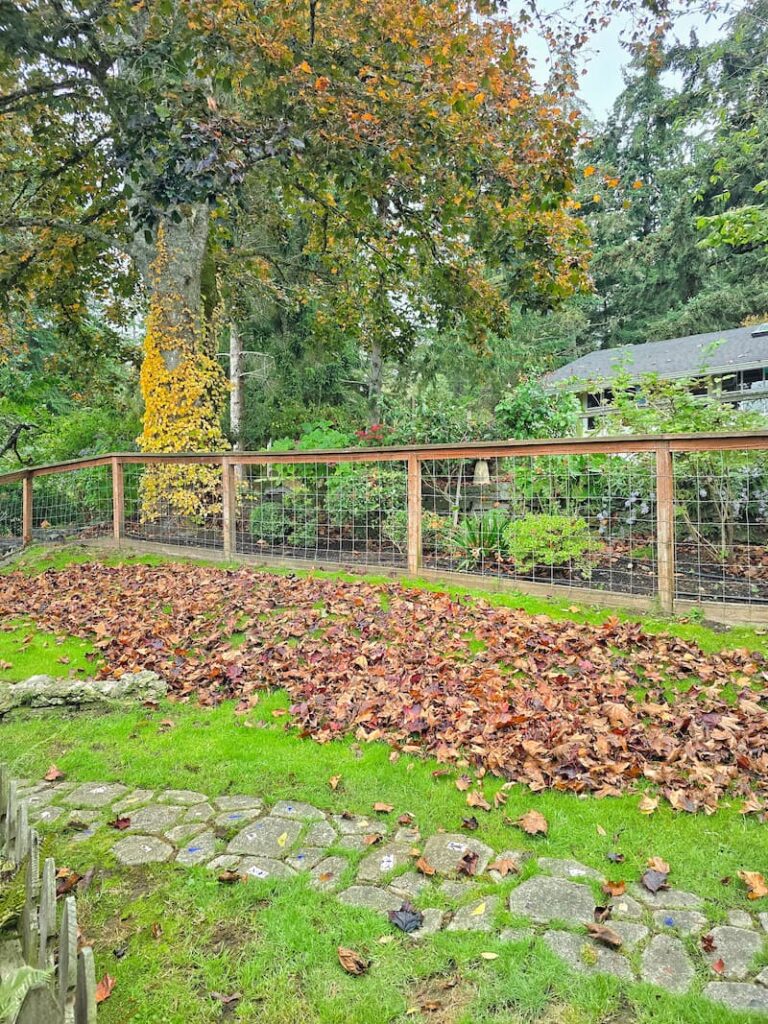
[(145, 144)]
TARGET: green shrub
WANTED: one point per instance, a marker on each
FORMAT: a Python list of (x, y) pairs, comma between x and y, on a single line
[(362, 496), (268, 522), (541, 539), (480, 538), (437, 532)]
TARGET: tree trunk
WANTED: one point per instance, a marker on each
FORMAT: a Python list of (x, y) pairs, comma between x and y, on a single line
[(236, 386), (375, 378)]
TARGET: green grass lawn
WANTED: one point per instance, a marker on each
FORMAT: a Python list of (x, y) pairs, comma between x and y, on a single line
[(275, 943)]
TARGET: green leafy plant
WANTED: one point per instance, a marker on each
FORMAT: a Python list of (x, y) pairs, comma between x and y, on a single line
[(542, 539), (360, 497), (437, 532), (268, 522), (481, 538)]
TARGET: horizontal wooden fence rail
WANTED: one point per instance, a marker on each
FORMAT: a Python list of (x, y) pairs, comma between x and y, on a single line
[(664, 520)]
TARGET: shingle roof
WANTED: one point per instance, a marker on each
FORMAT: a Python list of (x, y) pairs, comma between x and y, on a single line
[(717, 352)]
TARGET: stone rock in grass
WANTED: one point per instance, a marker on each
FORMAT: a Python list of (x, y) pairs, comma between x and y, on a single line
[(185, 797), (47, 815), (517, 935), (625, 908), (136, 850), (545, 899), (409, 885), (737, 996), (666, 899), (154, 818), (455, 890), (410, 835), (587, 956), (686, 922), (305, 858), (227, 862), (432, 923), (269, 837), (82, 816), (517, 857), (238, 803), (134, 799), (199, 812), (383, 860), (475, 917), (371, 898), (763, 919), (630, 932), (737, 948), (358, 825), (95, 794), (197, 850), (568, 868), (320, 834), (666, 964), (762, 978), (265, 867), (47, 692), (740, 919), (184, 832), (236, 819), (444, 851), (41, 798), (297, 811), (327, 873)]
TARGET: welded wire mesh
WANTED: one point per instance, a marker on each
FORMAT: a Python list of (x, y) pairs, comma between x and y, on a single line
[(175, 504), (721, 526), (352, 512), (10, 516), (72, 504), (574, 520)]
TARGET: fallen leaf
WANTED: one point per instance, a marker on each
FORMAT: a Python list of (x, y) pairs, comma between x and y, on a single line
[(534, 823), (476, 799), (463, 782), (470, 824), (372, 838), (718, 966), (648, 804), (602, 933), (653, 881), (755, 883), (227, 1000), (334, 781), (352, 962), (424, 866), (405, 819), (468, 863), (708, 943), (104, 988), (383, 808), (54, 774), (489, 956), (120, 823), (614, 857), (614, 888), (658, 864), (229, 877), (66, 881), (157, 930), (504, 866), (407, 918)]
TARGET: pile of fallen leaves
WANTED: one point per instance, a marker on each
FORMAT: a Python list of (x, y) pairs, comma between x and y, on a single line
[(552, 704)]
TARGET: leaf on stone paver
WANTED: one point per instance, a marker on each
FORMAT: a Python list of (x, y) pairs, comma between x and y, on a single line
[(708, 943), (120, 823), (602, 914), (382, 808), (602, 933), (423, 865), (653, 880), (104, 988), (718, 966), (470, 824), (476, 799), (352, 962), (755, 883), (407, 918), (504, 866), (372, 838), (468, 863), (614, 888), (54, 774), (648, 804), (534, 823)]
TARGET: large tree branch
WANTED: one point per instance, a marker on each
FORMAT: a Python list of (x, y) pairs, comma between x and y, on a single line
[(66, 227)]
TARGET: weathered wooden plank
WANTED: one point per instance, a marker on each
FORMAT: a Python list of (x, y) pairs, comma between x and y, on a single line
[(32, 878), (39, 1007), (85, 993), (665, 529), (118, 499), (414, 514), (229, 507), (26, 509), (67, 968), (21, 841), (47, 912)]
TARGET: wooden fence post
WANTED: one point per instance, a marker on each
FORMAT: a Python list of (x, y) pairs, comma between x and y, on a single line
[(414, 513), (228, 507), (118, 499), (26, 509), (665, 527)]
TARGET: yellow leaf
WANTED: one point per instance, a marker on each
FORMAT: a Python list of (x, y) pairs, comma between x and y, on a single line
[(637, 184), (283, 839), (479, 909), (589, 170), (306, 68)]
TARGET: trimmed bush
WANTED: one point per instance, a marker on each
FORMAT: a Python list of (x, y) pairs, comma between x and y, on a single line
[(541, 539)]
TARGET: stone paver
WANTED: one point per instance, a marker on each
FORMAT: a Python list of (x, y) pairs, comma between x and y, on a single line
[(269, 837), (475, 917), (135, 850), (686, 922), (227, 862), (665, 963), (383, 860), (320, 834), (238, 803), (297, 810), (568, 868), (587, 956), (738, 996), (371, 897), (235, 819), (666, 899), (740, 919), (626, 908), (546, 899), (154, 818), (762, 978), (632, 934), (305, 858), (517, 935), (185, 797), (199, 812), (737, 948), (327, 873), (410, 885), (432, 923), (95, 794), (134, 799), (517, 858), (444, 851), (265, 867), (456, 890), (198, 850), (183, 832), (48, 815)]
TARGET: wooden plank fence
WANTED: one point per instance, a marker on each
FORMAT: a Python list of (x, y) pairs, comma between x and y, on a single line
[(44, 939)]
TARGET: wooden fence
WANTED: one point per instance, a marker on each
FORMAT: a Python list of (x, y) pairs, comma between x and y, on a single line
[(696, 532), (44, 940)]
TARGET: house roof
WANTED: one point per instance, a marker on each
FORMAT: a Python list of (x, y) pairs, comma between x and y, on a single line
[(718, 352)]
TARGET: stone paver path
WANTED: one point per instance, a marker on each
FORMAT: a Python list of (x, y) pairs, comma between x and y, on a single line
[(239, 832)]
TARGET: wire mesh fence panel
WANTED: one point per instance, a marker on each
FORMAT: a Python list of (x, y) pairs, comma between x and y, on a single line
[(10, 517), (176, 503), (574, 520), (352, 512), (721, 526), (72, 504)]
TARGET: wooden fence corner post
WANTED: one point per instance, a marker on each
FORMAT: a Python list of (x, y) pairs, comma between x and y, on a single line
[(229, 506), (26, 509), (414, 514), (665, 527), (118, 499)]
